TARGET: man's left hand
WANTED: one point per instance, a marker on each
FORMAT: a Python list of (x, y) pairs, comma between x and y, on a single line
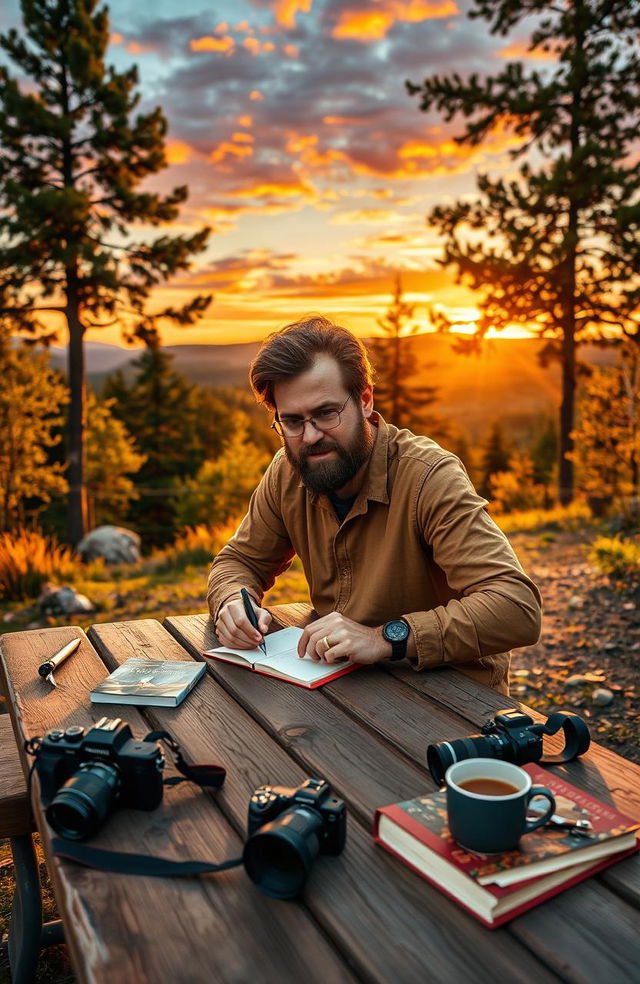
[(334, 638)]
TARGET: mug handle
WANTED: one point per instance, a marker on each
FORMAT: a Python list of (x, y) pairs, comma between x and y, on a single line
[(540, 791)]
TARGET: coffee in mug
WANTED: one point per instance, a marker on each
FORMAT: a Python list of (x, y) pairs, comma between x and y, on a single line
[(487, 804)]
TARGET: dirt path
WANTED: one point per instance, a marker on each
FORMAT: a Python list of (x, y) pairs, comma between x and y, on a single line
[(588, 657)]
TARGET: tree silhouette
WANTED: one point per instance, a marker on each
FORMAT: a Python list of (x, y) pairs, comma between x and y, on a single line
[(557, 247), (398, 396), (72, 160), (494, 458)]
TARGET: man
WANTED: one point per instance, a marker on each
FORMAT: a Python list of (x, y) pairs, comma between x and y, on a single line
[(400, 555)]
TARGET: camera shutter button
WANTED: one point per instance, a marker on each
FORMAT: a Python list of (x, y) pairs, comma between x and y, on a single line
[(55, 735), (74, 733)]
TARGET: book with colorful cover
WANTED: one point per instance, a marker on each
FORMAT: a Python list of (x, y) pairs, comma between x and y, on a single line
[(282, 660), (495, 888), (148, 682)]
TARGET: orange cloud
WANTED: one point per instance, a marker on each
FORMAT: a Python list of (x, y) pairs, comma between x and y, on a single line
[(256, 96), (286, 10), (520, 49), (116, 38), (245, 120), (221, 28), (225, 44), (227, 149), (291, 50), (368, 216), (178, 152), (373, 24), (277, 189), (252, 45), (242, 137)]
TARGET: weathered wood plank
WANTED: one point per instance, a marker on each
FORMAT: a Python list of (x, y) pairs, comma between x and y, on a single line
[(149, 929), (15, 813)]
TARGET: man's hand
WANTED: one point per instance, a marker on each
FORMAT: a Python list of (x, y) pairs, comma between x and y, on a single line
[(234, 629), (334, 638)]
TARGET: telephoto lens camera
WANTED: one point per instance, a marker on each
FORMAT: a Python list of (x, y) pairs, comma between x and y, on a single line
[(85, 774), (513, 737), (287, 830)]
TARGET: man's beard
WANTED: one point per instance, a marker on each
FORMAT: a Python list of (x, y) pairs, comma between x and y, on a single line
[(329, 476)]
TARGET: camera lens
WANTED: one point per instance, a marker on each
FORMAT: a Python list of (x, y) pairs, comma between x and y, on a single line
[(446, 753), (279, 856), (85, 800)]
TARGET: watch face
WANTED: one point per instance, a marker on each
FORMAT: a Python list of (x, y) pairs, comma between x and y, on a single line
[(396, 631)]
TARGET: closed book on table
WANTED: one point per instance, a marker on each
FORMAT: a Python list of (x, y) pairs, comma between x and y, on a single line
[(163, 683), (282, 661), (496, 888)]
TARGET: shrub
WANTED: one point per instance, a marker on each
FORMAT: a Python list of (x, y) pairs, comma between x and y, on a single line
[(572, 517), (194, 546), (27, 560), (620, 559)]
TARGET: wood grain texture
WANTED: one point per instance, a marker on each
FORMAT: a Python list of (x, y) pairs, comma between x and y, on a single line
[(389, 707), (152, 930), (15, 812)]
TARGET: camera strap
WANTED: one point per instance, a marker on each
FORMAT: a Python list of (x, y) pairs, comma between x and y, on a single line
[(576, 736), (202, 775), (120, 863)]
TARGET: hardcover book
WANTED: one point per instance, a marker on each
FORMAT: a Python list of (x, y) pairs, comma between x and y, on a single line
[(164, 683), (496, 888), (282, 660)]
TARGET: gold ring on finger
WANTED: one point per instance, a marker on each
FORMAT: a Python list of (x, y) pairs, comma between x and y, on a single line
[(327, 643)]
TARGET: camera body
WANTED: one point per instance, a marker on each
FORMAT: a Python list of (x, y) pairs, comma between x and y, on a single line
[(511, 736), (135, 767), (312, 796)]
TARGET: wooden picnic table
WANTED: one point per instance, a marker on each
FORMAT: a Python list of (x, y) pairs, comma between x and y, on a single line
[(363, 916)]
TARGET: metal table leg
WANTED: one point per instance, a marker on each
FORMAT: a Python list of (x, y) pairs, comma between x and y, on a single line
[(26, 932)]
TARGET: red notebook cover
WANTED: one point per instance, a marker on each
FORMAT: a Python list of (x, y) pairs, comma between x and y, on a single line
[(425, 820)]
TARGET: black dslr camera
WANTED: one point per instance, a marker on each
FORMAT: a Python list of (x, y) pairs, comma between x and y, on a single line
[(513, 737), (85, 774), (287, 830)]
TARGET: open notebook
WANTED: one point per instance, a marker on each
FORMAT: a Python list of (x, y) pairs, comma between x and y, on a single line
[(282, 660)]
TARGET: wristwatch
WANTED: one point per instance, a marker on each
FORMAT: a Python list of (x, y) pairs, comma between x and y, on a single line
[(397, 633)]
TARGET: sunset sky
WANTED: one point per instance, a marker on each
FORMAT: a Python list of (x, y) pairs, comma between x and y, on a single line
[(290, 123)]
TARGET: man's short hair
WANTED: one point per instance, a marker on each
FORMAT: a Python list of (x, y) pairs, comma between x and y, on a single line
[(291, 351)]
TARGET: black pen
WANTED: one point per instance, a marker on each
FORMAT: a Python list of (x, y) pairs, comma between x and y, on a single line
[(251, 615), (46, 669)]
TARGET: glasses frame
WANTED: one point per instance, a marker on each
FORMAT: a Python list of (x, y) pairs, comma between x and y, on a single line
[(276, 424)]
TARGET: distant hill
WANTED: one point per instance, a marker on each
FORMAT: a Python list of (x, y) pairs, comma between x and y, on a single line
[(506, 381)]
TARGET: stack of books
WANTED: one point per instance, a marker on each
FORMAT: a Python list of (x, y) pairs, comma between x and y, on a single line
[(496, 888)]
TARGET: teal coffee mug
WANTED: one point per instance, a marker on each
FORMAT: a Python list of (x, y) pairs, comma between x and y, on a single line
[(487, 804)]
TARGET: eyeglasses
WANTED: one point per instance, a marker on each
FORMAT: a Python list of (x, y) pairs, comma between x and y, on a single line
[(323, 420)]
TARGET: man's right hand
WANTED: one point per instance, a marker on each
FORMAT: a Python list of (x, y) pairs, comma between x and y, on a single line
[(234, 629)]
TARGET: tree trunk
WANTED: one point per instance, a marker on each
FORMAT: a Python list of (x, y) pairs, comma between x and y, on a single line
[(77, 507), (567, 407)]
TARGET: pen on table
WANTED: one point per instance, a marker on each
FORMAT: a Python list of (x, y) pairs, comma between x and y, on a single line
[(46, 669), (251, 615)]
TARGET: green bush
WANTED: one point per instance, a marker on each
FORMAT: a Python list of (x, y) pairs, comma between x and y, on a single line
[(28, 560), (618, 558)]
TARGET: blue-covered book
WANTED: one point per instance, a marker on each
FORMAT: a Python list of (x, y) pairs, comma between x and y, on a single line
[(164, 683)]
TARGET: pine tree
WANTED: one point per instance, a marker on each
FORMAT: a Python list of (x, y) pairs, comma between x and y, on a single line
[(160, 413), (495, 457), (557, 247), (72, 159), (399, 398)]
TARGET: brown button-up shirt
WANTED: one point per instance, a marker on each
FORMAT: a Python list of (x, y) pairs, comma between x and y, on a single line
[(417, 543)]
